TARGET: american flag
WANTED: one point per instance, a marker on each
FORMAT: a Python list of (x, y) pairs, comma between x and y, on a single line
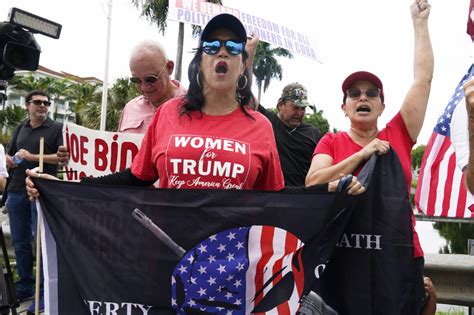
[(247, 270), (441, 189)]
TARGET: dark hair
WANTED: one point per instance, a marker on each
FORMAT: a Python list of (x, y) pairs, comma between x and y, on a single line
[(194, 99), (36, 92)]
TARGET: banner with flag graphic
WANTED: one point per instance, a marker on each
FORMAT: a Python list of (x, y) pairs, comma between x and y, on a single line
[(128, 250), (441, 189)]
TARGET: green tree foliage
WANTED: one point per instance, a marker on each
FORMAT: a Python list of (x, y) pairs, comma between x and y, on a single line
[(27, 83), (156, 11), (84, 98), (11, 117), (417, 155), (266, 66), (80, 95), (119, 94), (317, 119), (456, 235)]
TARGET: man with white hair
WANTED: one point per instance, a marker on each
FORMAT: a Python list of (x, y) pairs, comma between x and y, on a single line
[(151, 72)]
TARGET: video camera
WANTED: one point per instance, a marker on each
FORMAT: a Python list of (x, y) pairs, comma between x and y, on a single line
[(18, 47)]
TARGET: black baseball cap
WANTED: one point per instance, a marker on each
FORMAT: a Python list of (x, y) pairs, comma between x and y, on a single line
[(226, 21)]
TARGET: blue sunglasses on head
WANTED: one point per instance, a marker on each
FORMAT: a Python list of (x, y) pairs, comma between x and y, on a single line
[(212, 47)]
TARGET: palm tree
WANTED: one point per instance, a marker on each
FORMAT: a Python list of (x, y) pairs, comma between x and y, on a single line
[(119, 94), (266, 66), (156, 11), (81, 94), (11, 117)]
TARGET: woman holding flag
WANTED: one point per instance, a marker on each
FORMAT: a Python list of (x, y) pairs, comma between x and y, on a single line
[(363, 104)]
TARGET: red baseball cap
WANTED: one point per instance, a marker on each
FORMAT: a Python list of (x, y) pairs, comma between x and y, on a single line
[(362, 76)]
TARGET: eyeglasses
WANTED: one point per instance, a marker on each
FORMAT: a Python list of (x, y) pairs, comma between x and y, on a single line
[(39, 102), (213, 47), (150, 79), (356, 92)]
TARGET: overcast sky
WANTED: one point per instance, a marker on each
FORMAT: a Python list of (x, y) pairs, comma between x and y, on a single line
[(373, 35)]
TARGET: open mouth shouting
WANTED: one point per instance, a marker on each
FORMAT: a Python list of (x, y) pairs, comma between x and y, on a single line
[(221, 67), (363, 109)]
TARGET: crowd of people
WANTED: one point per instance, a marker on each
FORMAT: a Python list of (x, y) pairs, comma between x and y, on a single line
[(252, 147)]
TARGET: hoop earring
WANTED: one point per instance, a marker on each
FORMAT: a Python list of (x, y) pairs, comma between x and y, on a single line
[(197, 79), (245, 84)]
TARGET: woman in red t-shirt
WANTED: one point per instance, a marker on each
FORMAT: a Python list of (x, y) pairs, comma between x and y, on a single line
[(210, 139)]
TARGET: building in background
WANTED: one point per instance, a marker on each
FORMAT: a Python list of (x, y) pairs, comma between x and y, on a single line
[(61, 104)]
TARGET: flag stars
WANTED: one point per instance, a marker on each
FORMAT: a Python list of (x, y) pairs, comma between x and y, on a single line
[(211, 258), (173, 302), (229, 313), (182, 269), (202, 248), (192, 280), (230, 277), (211, 281), (231, 236), (212, 298), (192, 303), (202, 291), (230, 257), (221, 248), (190, 259), (239, 245), (202, 269), (238, 302), (443, 128), (213, 238), (228, 295), (240, 266), (238, 283), (221, 269)]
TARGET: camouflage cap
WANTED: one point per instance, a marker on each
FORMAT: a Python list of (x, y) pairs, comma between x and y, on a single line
[(296, 93)]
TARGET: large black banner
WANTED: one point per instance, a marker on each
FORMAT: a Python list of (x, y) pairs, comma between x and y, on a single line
[(126, 250), (372, 270)]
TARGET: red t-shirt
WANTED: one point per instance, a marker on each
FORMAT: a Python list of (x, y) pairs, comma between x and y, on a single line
[(232, 151), (340, 146)]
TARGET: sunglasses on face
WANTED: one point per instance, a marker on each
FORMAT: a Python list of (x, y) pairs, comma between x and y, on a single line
[(150, 79), (356, 92), (212, 47), (40, 102)]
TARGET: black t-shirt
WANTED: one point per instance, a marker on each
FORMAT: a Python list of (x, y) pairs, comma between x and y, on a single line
[(29, 139), (295, 147)]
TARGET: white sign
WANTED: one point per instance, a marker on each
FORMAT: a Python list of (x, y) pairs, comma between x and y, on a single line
[(199, 12), (97, 153)]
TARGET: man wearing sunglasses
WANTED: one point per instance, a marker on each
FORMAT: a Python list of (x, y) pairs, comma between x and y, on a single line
[(23, 153), (295, 139), (151, 70)]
